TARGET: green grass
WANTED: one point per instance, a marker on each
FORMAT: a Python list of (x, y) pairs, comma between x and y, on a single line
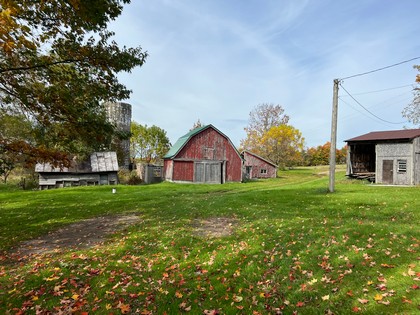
[(295, 247)]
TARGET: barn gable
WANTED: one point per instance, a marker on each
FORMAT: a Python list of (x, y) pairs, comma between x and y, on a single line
[(203, 155), (386, 157)]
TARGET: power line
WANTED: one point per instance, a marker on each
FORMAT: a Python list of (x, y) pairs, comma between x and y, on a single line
[(389, 122), (384, 90), (380, 69)]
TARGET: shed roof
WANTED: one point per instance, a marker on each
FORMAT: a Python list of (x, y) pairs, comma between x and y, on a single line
[(99, 162), (406, 134), (182, 141), (259, 157)]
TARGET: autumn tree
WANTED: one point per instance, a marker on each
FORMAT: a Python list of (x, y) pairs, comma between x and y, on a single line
[(261, 119), (58, 63), (148, 143), (197, 124), (283, 144), (320, 155), (412, 111), (17, 127)]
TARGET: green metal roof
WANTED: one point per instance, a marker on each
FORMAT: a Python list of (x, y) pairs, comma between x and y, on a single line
[(181, 142)]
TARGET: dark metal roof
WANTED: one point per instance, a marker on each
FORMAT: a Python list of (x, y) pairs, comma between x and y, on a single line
[(406, 134)]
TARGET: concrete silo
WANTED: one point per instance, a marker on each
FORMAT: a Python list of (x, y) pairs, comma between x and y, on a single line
[(119, 114)]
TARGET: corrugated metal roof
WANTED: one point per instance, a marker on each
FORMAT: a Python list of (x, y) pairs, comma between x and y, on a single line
[(99, 162), (406, 134), (104, 161), (180, 143)]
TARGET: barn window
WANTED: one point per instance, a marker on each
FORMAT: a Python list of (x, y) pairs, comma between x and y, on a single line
[(402, 166), (263, 171), (208, 153)]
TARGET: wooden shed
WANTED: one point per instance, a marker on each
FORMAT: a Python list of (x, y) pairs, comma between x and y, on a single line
[(100, 169), (386, 157), (204, 155), (258, 167)]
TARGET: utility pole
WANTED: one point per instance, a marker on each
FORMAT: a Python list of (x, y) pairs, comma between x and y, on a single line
[(333, 135)]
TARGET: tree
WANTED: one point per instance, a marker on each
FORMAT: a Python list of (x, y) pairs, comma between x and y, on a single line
[(320, 155), (18, 128), (412, 111), (148, 143), (261, 119), (197, 124), (57, 65), (283, 145)]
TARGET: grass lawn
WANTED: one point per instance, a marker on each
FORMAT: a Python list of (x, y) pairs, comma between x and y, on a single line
[(294, 248)]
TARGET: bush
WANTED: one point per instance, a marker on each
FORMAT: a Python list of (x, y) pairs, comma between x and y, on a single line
[(126, 177)]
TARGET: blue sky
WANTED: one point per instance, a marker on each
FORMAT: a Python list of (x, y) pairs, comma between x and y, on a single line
[(215, 60)]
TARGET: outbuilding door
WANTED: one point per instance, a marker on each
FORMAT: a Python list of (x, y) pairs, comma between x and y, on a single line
[(388, 171), (209, 172)]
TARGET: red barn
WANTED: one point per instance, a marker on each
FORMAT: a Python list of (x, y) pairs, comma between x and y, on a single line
[(258, 167), (204, 155)]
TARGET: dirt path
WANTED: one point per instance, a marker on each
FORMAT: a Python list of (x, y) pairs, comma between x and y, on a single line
[(91, 232), (83, 234)]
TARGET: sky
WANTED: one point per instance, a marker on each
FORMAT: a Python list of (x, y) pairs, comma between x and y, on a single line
[(216, 60)]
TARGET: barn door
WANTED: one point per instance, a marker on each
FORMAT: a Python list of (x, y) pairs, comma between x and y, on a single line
[(388, 171), (208, 172)]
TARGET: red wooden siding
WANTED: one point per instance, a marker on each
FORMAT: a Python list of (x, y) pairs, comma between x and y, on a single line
[(183, 171), (210, 147), (257, 164)]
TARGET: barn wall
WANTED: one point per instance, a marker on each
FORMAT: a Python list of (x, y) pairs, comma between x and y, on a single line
[(211, 145), (416, 161), (395, 152), (183, 171), (168, 166), (257, 165)]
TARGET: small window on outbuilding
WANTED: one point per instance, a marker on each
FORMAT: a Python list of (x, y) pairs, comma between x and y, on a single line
[(402, 166), (263, 171)]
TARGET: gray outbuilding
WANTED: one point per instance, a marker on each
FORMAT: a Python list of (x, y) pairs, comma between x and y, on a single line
[(100, 169), (385, 157)]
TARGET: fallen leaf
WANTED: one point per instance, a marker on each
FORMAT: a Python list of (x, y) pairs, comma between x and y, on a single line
[(125, 308), (325, 297), (363, 301), (378, 297), (237, 298)]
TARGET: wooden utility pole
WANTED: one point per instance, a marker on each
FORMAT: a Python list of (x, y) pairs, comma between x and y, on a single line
[(333, 135)]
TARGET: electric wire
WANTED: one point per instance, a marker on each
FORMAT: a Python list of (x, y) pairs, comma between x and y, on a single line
[(383, 90), (380, 69), (354, 99)]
